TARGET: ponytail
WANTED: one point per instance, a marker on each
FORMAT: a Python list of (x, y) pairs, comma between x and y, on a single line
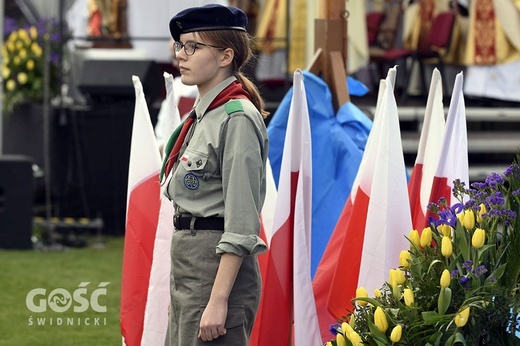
[(253, 91)]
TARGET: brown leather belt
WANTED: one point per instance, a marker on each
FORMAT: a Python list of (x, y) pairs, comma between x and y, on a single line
[(183, 222)]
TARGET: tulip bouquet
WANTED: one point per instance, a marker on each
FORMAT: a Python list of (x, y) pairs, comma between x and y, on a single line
[(458, 283), (23, 61)]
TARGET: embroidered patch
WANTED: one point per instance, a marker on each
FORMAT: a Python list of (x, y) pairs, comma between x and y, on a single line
[(191, 181)]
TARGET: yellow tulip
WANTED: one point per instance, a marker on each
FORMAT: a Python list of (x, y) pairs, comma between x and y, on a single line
[(346, 329), (10, 46), (6, 72), (414, 237), (408, 297), (10, 85), (377, 293), (380, 320), (22, 53), (18, 44), (22, 34), (404, 259), (30, 65), (397, 331), (16, 60), (328, 343), (340, 340), (462, 317), (426, 237), (460, 216), (22, 78), (479, 238), (355, 339), (444, 230), (361, 292), (446, 246), (13, 37), (36, 49), (481, 212), (445, 278), (468, 220), (33, 32), (399, 277)]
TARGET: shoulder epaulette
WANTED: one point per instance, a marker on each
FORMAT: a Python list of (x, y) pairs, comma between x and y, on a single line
[(234, 106)]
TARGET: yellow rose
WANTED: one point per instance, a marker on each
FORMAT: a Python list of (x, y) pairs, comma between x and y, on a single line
[(397, 331), (380, 320), (462, 317), (468, 220), (446, 246), (10, 85), (445, 278), (444, 230), (404, 259), (479, 238), (408, 297), (361, 292), (22, 78), (426, 237), (414, 237)]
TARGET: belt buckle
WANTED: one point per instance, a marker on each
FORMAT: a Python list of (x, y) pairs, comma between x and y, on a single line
[(176, 221)]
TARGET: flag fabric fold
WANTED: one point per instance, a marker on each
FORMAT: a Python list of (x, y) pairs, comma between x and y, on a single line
[(371, 229), (453, 157), (421, 180), (338, 144), (287, 313), (145, 274)]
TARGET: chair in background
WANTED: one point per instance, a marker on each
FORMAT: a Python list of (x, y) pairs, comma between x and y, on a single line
[(437, 46), (374, 20)]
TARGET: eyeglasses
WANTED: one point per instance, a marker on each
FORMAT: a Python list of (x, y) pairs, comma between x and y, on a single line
[(190, 47)]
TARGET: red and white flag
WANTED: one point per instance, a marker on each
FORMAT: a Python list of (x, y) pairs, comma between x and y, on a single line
[(287, 314), (372, 227), (453, 157), (146, 263), (421, 180)]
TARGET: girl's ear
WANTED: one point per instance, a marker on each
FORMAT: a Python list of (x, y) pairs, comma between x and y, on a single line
[(227, 57)]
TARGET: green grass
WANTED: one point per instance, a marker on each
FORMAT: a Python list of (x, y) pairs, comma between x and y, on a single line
[(23, 271)]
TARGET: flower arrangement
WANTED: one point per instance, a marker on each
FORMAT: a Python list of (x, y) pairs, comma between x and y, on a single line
[(458, 283), (23, 61)]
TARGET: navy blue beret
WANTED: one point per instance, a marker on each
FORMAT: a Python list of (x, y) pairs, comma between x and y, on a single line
[(207, 17)]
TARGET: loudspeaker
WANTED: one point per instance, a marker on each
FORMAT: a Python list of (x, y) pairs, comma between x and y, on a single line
[(106, 80), (16, 200)]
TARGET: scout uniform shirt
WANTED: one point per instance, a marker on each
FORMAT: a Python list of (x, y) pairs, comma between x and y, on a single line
[(221, 171)]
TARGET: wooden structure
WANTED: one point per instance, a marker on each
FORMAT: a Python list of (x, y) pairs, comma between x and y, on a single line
[(330, 44)]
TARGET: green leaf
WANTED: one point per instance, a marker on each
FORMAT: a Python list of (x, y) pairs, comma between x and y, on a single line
[(462, 242), (497, 273), (444, 300)]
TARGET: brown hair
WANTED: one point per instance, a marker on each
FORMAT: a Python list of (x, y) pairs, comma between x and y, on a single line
[(240, 42)]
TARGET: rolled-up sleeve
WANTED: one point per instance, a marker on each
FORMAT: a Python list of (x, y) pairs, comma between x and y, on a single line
[(243, 184)]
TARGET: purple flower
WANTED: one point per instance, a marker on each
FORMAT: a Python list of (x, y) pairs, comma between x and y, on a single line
[(479, 185), (464, 281), (492, 279), (454, 273), (468, 265), (480, 270), (335, 328), (516, 192)]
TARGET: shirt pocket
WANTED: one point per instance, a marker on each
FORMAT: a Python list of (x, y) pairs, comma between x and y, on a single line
[(192, 173)]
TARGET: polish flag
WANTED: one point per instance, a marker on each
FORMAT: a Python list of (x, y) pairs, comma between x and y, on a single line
[(287, 312), (146, 264), (453, 157), (421, 180), (371, 230)]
